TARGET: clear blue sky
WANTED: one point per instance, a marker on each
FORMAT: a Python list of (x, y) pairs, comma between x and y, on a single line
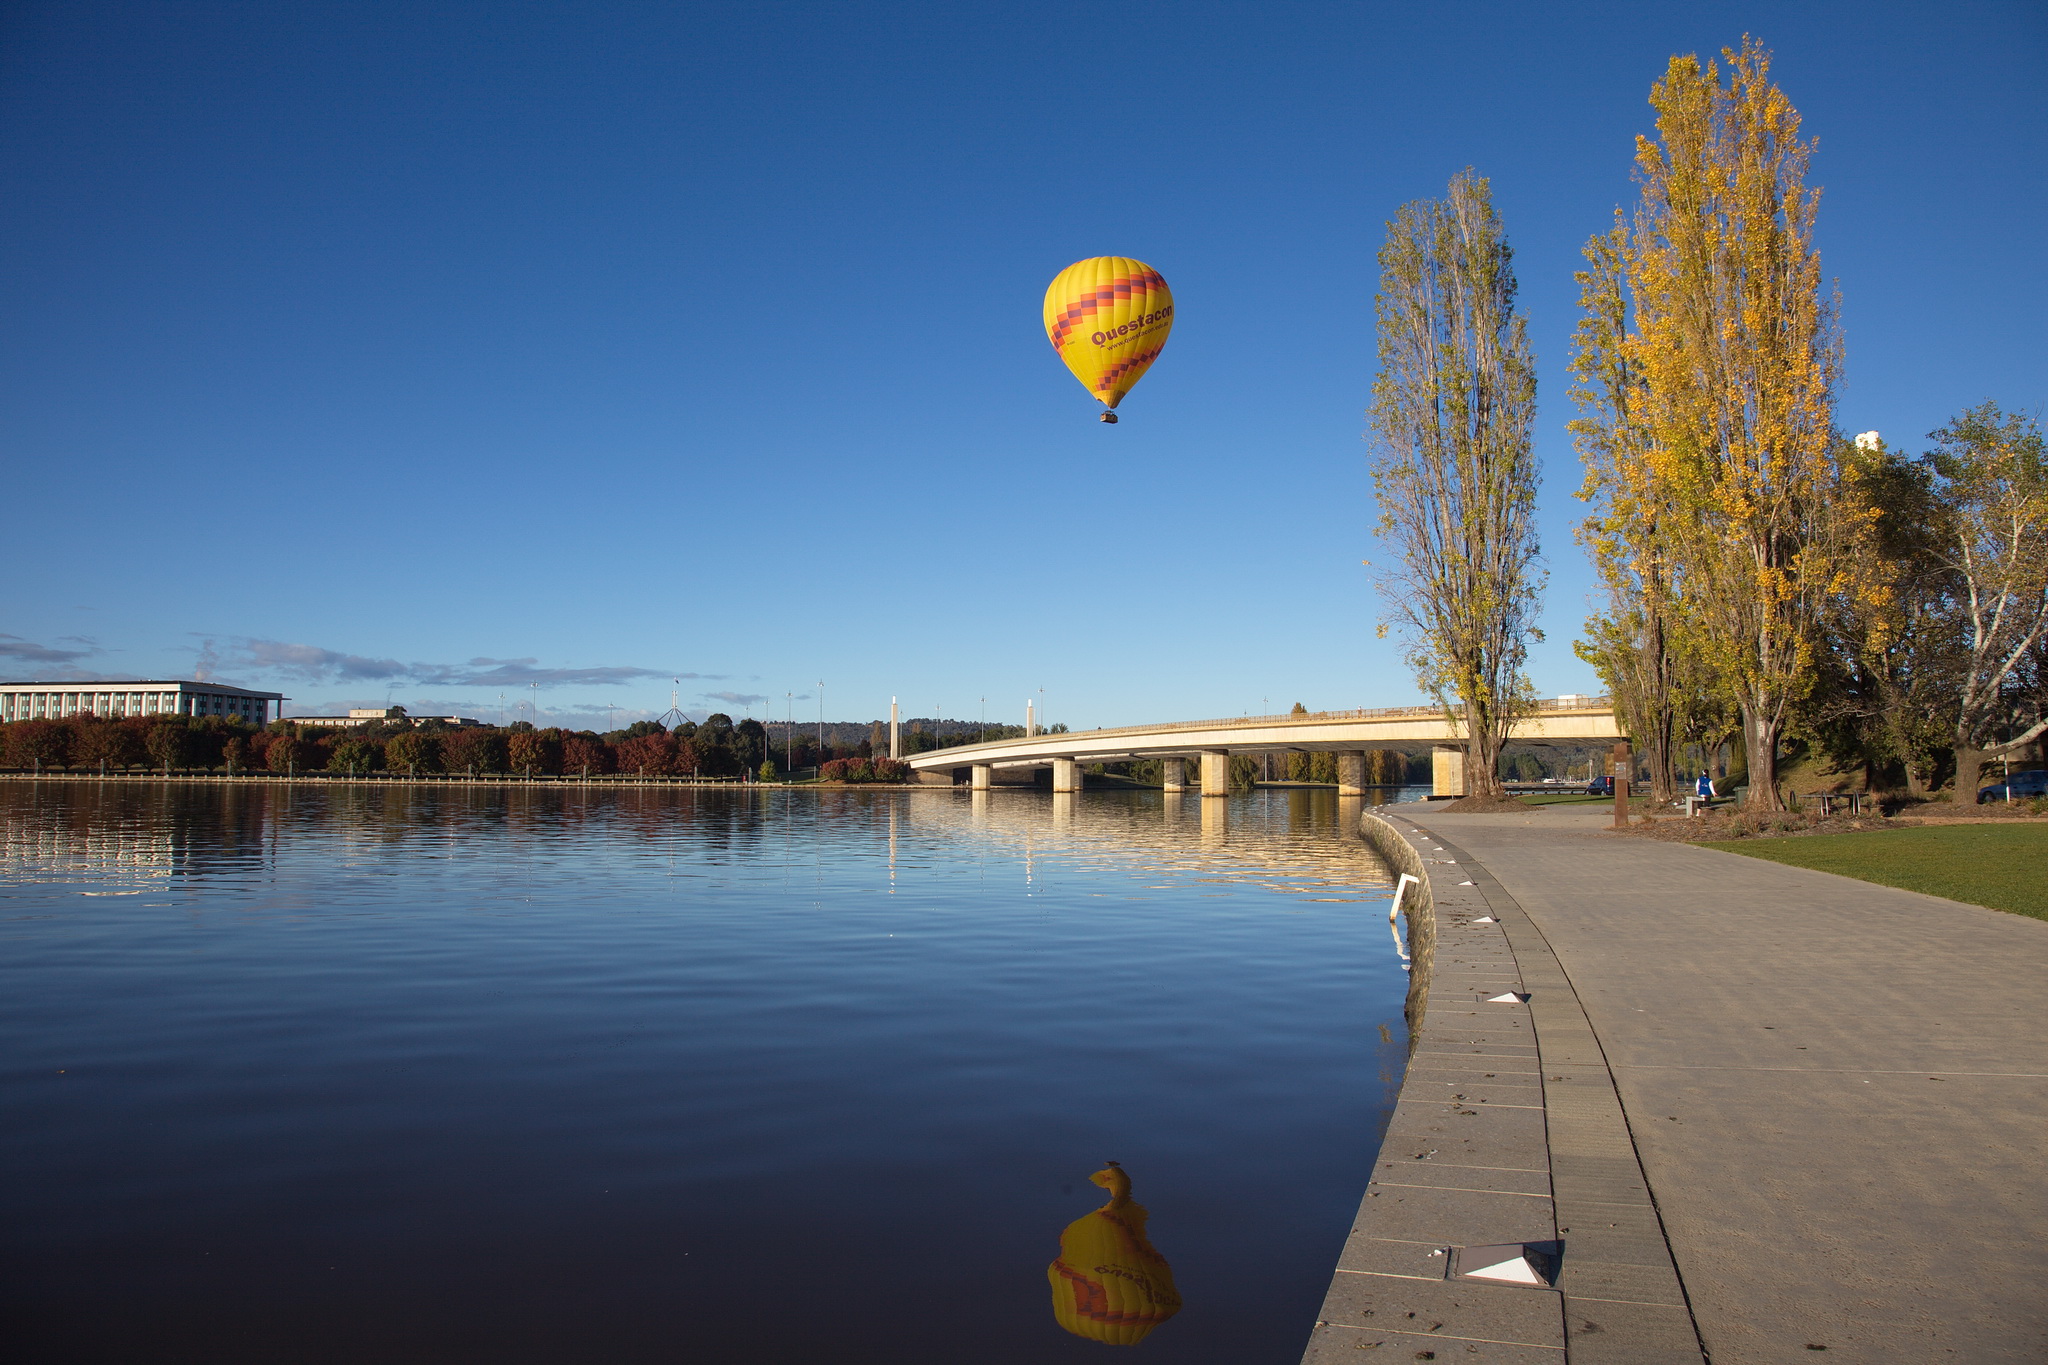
[(429, 351)]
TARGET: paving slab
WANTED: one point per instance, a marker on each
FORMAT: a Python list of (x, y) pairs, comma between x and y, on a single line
[(1468, 1156), (1823, 1102)]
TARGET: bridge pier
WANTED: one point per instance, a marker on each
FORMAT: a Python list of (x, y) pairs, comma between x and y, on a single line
[(1215, 772), (983, 776), (1174, 774), (1351, 774), (1447, 771), (1066, 775)]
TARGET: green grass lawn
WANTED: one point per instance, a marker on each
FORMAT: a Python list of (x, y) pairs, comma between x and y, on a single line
[(2002, 866)]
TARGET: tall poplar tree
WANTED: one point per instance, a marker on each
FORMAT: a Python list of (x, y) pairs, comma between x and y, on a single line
[(1631, 644), (1715, 478), (1455, 470)]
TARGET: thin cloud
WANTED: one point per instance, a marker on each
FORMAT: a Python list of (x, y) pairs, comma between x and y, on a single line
[(308, 662), (734, 698), (313, 663), (526, 672), (29, 652)]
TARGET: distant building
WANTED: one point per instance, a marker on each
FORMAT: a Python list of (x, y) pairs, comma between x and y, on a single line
[(142, 697), (375, 715)]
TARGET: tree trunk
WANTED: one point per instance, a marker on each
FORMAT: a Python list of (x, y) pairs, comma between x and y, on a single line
[(1969, 774), (1760, 743), (1916, 778), (1658, 751), (1482, 754)]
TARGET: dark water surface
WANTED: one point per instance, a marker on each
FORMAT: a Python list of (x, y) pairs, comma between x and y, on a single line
[(420, 1074)]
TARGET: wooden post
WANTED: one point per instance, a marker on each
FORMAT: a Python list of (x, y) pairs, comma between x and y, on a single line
[(1619, 767)]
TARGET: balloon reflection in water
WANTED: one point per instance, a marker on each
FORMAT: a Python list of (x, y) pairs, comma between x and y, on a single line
[(1109, 1284)]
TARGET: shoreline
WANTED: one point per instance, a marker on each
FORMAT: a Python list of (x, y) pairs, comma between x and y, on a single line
[(266, 779), (324, 779), (1507, 1129)]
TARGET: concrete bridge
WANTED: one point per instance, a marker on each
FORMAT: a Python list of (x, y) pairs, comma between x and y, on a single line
[(1347, 734)]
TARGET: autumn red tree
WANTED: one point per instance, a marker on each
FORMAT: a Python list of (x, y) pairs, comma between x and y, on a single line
[(586, 755), (478, 749), (105, 744), (37, 744), (535, 751), (647, 755)]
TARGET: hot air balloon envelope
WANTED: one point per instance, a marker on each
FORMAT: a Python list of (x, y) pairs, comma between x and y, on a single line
[(1108, 317)]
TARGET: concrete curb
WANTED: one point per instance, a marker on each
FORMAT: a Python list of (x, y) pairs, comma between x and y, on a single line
[(1508, 1129)]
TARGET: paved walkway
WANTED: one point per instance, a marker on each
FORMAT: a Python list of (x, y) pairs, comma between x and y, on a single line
[(1837, 1093)]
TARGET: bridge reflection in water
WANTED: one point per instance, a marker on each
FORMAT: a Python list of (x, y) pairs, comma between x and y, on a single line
[(1298, 839)]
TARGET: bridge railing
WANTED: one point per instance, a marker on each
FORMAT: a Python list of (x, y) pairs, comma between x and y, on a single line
[(1551, 706)]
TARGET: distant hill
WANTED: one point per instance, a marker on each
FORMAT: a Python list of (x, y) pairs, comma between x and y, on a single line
[(854, 731)]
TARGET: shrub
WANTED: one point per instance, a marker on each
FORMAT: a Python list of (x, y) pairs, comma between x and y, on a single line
[(864, 770)]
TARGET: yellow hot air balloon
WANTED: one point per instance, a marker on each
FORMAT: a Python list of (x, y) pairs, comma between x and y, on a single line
[(1108, 317), (1109, 1284)]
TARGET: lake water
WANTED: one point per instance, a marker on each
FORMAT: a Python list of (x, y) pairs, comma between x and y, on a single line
[(459, 1074)]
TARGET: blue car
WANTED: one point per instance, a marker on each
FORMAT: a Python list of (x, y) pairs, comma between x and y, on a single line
[(2018, 787), (1600, 786)]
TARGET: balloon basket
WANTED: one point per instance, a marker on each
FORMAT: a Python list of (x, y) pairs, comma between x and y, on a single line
[(1108, 417)]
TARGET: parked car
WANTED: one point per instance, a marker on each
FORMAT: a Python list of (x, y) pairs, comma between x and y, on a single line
[(1600, 786), (2016, 787)]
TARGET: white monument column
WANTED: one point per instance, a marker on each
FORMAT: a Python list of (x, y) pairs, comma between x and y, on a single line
[(895, 731), (1030, 718)]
